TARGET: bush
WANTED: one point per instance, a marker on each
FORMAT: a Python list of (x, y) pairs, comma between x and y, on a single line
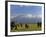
[(26, 25), (39, 24), (12, 25)]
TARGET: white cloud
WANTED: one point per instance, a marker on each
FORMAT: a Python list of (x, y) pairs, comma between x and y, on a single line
[(39, 16), (33, 16), (12, 17), (27, 15)]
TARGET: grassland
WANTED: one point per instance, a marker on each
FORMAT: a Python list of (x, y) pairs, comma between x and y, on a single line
[(28, 27)]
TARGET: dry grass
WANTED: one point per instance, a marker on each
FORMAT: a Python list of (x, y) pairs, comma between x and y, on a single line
[(31, 27)]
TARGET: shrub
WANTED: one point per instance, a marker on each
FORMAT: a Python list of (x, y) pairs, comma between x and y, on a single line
[(12, 25), (26, 25), (39, 24)]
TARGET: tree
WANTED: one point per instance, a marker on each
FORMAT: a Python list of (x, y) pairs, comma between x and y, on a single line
[(12, 25), (39, 24), (26, 25)]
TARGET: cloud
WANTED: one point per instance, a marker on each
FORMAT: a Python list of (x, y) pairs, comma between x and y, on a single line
[(33, 16), (29, 15), (26, 16), (39, 16)]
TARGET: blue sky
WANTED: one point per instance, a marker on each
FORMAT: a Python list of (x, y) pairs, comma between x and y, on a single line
[(21, 9)]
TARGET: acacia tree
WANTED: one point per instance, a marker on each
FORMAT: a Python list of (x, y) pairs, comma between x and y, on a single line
[(12, 25), (39, 24), (26, 25)]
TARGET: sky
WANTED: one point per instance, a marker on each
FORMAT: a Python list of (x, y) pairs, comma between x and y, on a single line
[(25, 11), (18, 9)]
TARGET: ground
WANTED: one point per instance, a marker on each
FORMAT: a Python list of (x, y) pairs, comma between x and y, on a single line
[(28, 27)]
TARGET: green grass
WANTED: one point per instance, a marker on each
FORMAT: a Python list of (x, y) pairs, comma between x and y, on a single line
[(31, 27)]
